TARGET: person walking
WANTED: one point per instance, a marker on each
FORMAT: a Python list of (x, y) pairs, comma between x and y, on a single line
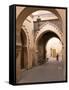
[(57, 57)]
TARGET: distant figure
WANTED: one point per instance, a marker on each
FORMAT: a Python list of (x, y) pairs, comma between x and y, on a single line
[(57, 57)]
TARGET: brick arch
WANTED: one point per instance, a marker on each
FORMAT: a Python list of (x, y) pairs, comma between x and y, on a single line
[(49, 27), (27, 11)]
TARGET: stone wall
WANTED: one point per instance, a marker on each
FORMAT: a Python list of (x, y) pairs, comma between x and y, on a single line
[(26, 24)]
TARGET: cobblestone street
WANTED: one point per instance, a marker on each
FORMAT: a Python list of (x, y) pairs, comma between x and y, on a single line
[(51, 71)]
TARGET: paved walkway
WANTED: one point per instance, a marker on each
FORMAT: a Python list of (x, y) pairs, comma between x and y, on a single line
[(43, 73)]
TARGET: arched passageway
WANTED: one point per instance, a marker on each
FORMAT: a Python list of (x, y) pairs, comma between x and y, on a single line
[(37, 53), (54, 50), (41, 44), (28, 11)]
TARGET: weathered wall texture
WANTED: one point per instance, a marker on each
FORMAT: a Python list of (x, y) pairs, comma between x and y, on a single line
[(27, 26)]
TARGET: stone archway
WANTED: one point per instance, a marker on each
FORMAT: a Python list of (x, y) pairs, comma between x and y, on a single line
[(42, 37), (21, 54), (49, 27), (25, 13), (41, 44), (28, 10)]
